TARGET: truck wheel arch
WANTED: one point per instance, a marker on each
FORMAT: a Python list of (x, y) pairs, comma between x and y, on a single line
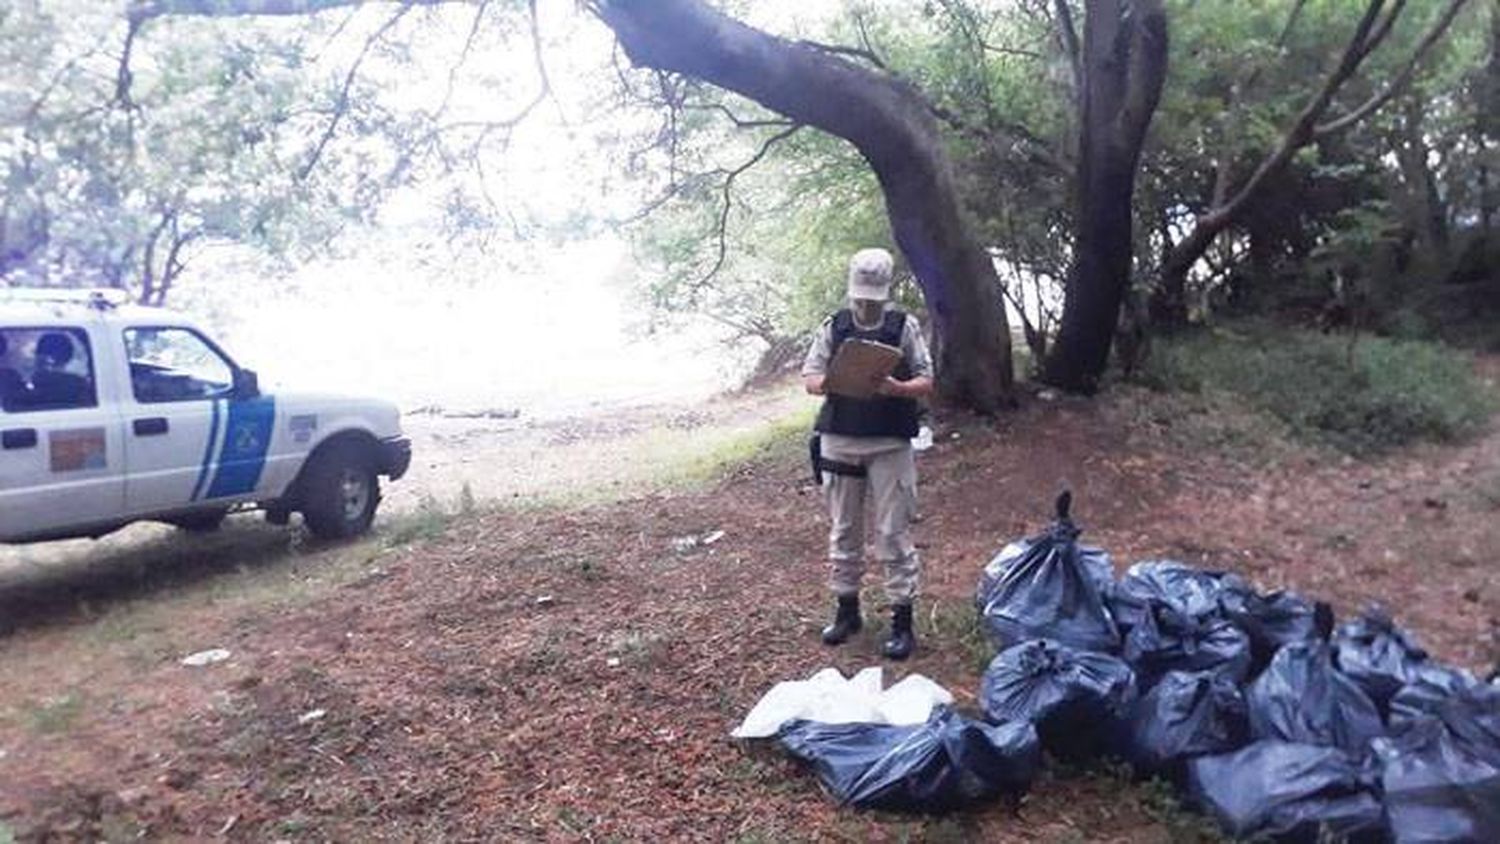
[(356, 437)]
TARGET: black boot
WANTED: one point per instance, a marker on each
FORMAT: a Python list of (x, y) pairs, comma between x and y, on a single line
[(846, 621), (902, 641)]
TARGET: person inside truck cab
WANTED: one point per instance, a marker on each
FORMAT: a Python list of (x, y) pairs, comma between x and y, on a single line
[(12, 385), (52, 385)]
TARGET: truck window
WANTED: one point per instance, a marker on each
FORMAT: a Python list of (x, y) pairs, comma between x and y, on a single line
[(175, 364), (45, 369)]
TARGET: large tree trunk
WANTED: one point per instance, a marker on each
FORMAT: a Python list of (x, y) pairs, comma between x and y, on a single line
[(892, 126), (1124, 67)]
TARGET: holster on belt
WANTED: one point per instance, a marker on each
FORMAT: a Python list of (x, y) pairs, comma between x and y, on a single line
[(835, 467)]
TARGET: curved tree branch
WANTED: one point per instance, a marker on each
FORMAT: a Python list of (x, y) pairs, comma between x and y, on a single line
[(342, 105), (722, 229), (1404, 78)]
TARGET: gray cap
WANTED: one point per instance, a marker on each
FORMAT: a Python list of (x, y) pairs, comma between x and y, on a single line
[(870, 274)]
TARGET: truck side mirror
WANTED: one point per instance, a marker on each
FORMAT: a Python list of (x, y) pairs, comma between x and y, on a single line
[(246, 384)]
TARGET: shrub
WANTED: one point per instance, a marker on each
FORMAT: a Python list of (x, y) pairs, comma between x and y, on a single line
[(1360, 395)]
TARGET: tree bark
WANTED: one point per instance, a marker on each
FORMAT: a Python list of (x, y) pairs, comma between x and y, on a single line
[(1487, 124), (892, 126), (1169, 306), (1428, 213), (1124, 68)]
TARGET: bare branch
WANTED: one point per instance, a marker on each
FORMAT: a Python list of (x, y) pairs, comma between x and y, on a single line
[(1301, 131), (1404, 78), (123, 76), (1011, 51), (723, 222), (463, 55), (864, 33), (1023, 139), (853, 52), (1291, 23), (1067, 33), (739, 122), (1379, 33), (342, 106), (245, 8)]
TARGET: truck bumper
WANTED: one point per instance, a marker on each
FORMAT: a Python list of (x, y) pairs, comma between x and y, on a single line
[(395, 457)]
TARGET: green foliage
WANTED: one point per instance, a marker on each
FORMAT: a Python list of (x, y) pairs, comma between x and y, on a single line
[(1358, 394), (428, 521), (790, 224), (54, 714), (113, 178), (958, 626)]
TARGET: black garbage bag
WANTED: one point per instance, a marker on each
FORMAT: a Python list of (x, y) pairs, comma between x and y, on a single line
[(1287, 791), (1048, 586), (1189, 591), (1301, 697), (1435, 788), (1380, 656), (1272, 620), (947, 763), (1165, 638), (1078, 700), (1186, 715), (1469, 708)]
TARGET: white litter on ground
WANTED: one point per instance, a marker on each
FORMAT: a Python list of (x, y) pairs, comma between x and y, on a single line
[(208, 657), (827, 697)]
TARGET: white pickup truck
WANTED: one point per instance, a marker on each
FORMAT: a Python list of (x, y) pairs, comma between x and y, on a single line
[(111, 414)]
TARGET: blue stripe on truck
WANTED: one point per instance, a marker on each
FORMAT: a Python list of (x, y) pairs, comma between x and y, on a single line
[(242, 455), (208, 451)]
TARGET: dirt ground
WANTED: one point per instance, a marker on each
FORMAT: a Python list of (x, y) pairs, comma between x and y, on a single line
[(571, 672)]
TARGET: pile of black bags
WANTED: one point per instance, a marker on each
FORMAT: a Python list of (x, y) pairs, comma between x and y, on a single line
[(1267, 717), (947, 763)]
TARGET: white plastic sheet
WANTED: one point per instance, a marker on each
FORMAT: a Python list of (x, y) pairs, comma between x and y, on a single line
[(828, 698)]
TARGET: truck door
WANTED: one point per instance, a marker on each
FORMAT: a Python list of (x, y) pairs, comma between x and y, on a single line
[(62, 459), (191, 441)]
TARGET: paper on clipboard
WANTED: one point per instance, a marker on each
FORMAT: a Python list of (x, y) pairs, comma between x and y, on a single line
[(859, 366)]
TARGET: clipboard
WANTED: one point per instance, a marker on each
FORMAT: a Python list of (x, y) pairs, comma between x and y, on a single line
[(859, 366)]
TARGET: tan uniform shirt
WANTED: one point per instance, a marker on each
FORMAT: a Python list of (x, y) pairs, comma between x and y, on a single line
[(913, 351)]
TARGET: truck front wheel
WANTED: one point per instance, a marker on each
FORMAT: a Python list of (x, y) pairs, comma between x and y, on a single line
[(340, 492)]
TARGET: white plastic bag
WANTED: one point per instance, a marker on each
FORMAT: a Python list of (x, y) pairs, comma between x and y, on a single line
[(828, 698)]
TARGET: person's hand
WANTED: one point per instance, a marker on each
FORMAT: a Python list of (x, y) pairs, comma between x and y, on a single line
[(889, 386), (814, 384)]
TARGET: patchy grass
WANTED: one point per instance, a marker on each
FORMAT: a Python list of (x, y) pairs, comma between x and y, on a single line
[(955, 625), (1360, 395), (673, 460), (1163, 803), (1211, 422), (53, 715), (1487, 488), (428, 520)]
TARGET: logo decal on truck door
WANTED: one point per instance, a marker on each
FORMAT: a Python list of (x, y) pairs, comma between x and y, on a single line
[(77, 450)]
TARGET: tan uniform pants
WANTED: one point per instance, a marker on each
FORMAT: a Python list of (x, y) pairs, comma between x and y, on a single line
[(883, 502)]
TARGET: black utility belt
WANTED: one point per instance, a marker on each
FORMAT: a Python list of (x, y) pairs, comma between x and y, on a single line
[(821, 464), (839, 467)]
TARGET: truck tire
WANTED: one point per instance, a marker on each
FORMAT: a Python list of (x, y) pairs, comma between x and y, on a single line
[(340, 491), (206, 521)]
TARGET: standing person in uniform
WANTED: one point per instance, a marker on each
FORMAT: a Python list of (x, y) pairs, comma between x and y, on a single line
[(866, 452)]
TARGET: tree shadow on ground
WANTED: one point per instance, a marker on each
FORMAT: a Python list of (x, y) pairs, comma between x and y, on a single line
[(80, 580)]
